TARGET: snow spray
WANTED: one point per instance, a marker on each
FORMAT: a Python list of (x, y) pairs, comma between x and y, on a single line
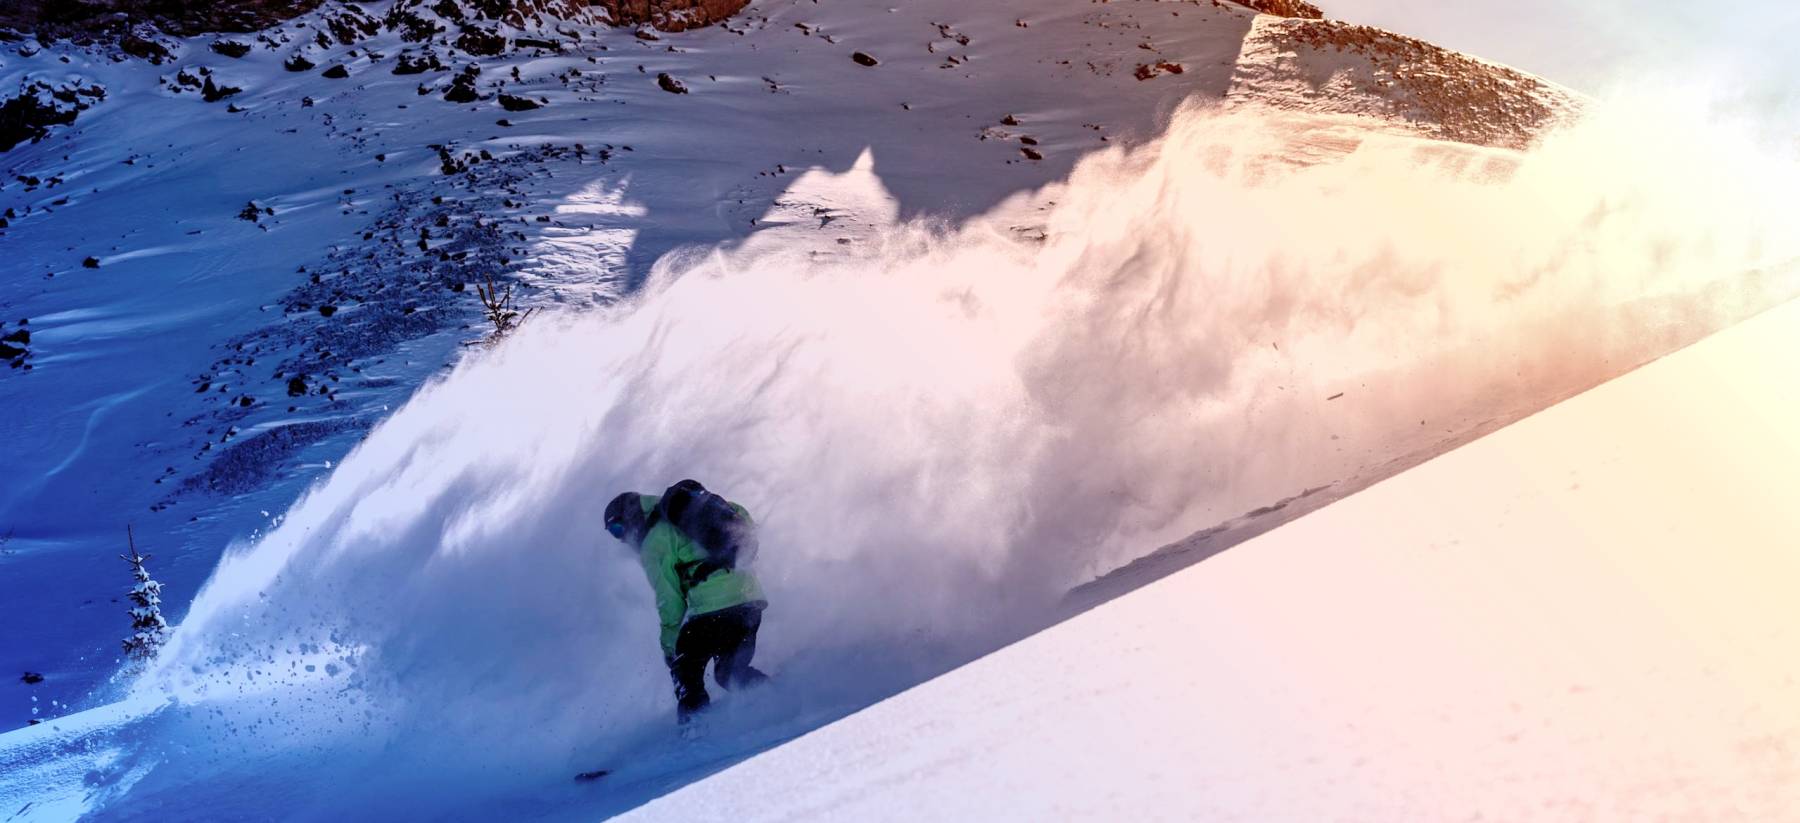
[(941, 429)]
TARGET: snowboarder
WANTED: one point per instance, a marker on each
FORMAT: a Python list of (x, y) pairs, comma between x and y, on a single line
[(690, 542)]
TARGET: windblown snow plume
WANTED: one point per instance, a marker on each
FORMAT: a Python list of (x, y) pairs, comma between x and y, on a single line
[(943, 429)]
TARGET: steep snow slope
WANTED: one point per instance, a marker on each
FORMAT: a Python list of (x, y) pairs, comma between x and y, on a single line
[(160, 384), (953, 381), (435, 631), (275, 270), (1586, 616)]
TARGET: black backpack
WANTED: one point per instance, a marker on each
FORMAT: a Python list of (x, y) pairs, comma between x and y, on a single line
[(711, 521)]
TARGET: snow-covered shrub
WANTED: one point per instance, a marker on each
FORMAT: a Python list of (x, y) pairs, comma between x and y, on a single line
[(148, 630)]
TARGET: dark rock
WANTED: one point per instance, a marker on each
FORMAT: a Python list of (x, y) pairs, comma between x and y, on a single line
[(297, 386), (337, 72), (144, 49), (91, 263), (413, 27), (22, 336), (513, 103), (230, 48), (1148, 70), (1031, 153), (864, 59), (298, 62), (31, 677), (38, 106), (8, 352), (479, 41), (462, 89), (408, 64), (327, 311), (350, 24), (670, 84), (213, 93)]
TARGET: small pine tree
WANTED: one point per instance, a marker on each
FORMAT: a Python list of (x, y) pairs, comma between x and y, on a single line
[(498, 303), (148, 628)]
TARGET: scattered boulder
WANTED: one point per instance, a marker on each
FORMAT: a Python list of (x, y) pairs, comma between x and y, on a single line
[(336, 72), (327, 311), (481, 41), (230, 48), (408, 64), (296, 386), (864, 59), (298, 62), (670, 84), (145, 49), (462, 89), (31, 677), (515, 103), (212, 92), (90, 262), (1145, 71)]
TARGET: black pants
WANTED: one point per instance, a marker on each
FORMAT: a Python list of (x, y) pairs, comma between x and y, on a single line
[(727, 636)]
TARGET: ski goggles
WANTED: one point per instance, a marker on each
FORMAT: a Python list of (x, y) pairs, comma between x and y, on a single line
[(616, 528)]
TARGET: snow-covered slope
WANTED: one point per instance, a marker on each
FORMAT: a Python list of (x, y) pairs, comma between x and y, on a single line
[(965, 328), (222, 295), (1589, 615)]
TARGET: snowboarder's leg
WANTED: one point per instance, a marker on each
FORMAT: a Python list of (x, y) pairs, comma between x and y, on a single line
[(695, 646), (734, 670)]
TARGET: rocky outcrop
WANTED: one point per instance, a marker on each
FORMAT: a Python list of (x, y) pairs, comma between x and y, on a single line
[(29, 115), (1325, 65), (110, 20), (669, 15), (475, 25), (1287, 8)]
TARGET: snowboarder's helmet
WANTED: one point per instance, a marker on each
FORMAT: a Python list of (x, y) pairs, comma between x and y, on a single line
[(618, 518)]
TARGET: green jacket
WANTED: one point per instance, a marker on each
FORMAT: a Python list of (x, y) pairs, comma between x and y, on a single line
[(664, 552)]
